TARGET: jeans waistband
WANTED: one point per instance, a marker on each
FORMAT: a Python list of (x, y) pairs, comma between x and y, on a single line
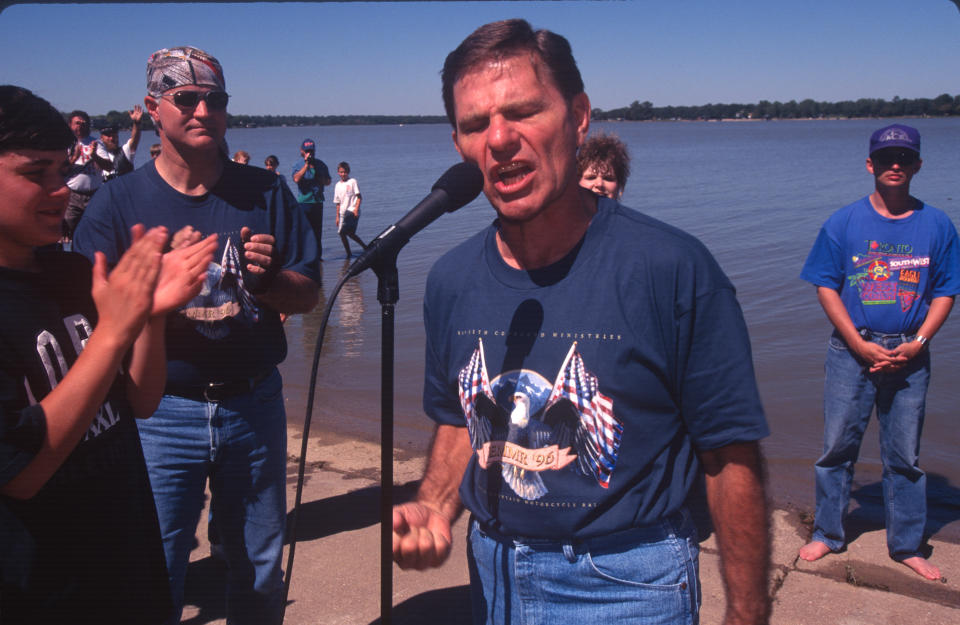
[(870, 334), (630, 536), (215, 391)]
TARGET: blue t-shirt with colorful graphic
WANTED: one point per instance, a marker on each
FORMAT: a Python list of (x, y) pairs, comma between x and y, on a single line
[(588, 386), (224, 333), (886, 270)]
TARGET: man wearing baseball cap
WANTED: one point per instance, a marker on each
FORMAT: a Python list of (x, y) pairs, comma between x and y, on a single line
[(222, 416), (110, 150), (311, 176), (886, 269)]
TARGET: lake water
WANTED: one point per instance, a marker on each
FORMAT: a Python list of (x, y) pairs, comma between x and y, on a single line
[(755, 193)]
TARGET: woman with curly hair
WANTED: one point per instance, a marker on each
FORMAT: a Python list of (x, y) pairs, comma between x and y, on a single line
[(604, 165)]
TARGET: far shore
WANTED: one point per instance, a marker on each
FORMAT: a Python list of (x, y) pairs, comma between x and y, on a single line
[(100, 121)]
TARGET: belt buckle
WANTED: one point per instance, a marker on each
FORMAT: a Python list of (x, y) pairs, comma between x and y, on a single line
[(211, 392)]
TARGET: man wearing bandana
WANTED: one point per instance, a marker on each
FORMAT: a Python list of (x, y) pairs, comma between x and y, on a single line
[(222, 416)]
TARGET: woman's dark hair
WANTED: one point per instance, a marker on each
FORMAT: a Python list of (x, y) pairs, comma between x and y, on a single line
[(500, 40), (27, 121), (602, 150)]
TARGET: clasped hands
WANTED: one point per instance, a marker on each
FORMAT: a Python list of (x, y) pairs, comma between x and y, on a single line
[(883, 360)]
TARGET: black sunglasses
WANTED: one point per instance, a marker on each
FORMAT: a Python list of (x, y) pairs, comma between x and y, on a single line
[(886, 159), (216, 100)]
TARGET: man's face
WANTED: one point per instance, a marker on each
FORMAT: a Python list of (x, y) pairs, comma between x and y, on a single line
[(343, 173), (80, 127), (33, 199), (109, 140), (894, 167), (513, 123), (188, 129)]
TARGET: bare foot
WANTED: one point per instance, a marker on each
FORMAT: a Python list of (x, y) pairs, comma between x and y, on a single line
[(814, 550), (923, 567)]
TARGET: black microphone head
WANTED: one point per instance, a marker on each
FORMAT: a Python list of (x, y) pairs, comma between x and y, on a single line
[(462, 184)]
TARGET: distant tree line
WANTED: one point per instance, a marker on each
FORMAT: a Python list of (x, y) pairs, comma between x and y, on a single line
[(943, 105), (249, 121), (121, 119)]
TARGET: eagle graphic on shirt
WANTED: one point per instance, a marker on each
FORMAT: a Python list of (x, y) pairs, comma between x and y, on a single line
[(223, 298), (530, 426)]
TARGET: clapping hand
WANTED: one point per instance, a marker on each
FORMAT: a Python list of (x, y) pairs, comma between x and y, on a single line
[(183, 270), (185, 236), (258, 250), (124, 297)]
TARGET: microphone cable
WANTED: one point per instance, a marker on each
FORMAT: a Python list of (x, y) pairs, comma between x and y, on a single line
[(458, 186), (301, 470)]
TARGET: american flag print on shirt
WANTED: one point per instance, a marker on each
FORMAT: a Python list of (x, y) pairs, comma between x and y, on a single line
[(529, 426)]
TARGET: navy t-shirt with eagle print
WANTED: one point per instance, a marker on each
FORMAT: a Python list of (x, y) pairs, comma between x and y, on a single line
[(588, 386), (224, 333)]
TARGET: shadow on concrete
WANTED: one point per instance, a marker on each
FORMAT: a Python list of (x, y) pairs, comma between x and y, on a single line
[(205, 588), (343, 513), (206, 580), (451, 606), (943, 507)]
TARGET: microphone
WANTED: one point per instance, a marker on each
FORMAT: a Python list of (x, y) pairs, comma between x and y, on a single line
[(457, 187)]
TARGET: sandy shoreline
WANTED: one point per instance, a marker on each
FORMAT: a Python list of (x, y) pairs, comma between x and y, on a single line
[(787, 479), (336, 577)]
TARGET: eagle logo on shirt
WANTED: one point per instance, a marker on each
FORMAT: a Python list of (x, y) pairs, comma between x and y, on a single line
[(223, 298), (530, 426)]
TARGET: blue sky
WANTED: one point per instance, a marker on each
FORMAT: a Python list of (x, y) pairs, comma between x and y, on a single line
[(384, 57)]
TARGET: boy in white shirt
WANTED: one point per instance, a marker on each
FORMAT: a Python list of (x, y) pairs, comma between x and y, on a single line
[(346, 199)]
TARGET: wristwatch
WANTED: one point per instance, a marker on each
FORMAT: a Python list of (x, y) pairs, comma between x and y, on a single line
[(920, 339)]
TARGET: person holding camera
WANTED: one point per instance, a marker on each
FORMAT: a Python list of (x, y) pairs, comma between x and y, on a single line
[(311, 177)]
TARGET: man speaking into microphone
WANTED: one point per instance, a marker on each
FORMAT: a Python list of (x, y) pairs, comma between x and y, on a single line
[(586, 366)]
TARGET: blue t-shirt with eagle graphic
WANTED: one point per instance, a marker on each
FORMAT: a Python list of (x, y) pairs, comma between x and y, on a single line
[(588, 386), (224, 333)]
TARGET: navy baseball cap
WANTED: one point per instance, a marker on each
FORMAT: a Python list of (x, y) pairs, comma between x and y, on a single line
[(308, 145), (895, 136)]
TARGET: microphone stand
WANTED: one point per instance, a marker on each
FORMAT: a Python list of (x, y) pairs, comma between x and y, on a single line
[(456, 187), (388, 292)]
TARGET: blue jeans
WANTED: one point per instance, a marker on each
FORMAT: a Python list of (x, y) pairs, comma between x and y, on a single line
[(240, 444), (640, 576), (850, 394), (314, 214)]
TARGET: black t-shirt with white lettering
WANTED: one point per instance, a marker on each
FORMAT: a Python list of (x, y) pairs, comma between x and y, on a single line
[(86, 548)]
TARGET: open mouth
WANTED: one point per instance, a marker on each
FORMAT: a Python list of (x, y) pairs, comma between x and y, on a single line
[(512, 175)]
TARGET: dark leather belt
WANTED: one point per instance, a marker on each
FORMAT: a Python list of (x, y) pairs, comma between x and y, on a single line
[(215, 392)]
